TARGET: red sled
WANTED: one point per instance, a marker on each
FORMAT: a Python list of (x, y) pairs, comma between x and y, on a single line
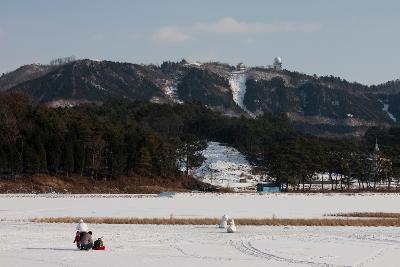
[(100, 248)]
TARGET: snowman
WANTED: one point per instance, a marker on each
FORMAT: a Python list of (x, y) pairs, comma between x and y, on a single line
[(231, 227), (223, 223)]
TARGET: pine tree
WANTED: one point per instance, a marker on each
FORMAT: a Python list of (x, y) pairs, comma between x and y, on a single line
[(189, 152)]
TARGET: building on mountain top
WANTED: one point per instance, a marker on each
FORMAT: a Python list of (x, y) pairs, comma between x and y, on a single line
[(240, 67), (277, 63)]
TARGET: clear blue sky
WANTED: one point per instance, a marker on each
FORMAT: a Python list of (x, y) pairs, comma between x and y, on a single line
[(358, 40)]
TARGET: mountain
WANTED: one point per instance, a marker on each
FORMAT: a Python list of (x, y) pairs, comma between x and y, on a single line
[(23, 74), (318, 105), (389, 95), (93, 81)]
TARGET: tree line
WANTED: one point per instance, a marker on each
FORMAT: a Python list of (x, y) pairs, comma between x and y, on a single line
[(123, 137), (97, 141)]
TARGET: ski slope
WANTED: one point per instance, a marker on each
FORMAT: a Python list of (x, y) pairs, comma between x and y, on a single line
[(386, 110), (237, 81), (226, 167)]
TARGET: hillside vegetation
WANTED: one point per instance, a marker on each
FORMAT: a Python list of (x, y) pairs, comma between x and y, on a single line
[(152, 142), (325, 106)]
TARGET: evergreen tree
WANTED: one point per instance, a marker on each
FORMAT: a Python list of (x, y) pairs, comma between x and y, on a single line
[(189, 152)]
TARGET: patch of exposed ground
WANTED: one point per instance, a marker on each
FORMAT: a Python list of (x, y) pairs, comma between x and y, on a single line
[(76, 184)]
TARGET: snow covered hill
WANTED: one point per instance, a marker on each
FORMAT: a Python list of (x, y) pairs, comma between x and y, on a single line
[(237, 81), (226, 167)]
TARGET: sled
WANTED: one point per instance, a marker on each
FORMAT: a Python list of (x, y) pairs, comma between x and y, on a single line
[(100, 248)]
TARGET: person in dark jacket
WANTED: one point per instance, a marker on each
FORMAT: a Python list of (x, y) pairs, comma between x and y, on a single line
[(86, 241)]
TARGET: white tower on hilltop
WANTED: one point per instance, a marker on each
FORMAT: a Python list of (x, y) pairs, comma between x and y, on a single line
[(277, 63)]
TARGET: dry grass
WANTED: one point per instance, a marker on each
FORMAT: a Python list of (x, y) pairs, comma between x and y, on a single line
[(241, 221), (390, 215), (113, 220)]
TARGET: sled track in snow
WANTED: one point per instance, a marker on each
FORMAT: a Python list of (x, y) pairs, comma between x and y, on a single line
[(372, 258), (246, 247), (368, 240), (183, 252)]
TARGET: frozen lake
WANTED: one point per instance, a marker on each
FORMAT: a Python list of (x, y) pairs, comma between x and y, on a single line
[(42, 245), (195, 205), (35, 244)]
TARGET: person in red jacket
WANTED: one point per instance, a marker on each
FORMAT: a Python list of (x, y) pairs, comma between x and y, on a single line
[(77, 239)]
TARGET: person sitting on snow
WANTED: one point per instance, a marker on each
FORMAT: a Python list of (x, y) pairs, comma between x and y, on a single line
[(86, 241), (223, 223), (232, 227), (82, 228)]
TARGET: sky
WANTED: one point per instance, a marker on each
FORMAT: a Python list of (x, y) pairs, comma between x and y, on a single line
[(358, 40)]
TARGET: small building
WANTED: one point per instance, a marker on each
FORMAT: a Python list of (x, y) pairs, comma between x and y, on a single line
[(277, 63), (269, 187), (240, 67)]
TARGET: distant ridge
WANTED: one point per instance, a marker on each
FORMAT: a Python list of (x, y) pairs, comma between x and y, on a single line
[(319, 105)]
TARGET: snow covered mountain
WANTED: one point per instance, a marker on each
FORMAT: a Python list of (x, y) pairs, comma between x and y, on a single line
[(318, 105)]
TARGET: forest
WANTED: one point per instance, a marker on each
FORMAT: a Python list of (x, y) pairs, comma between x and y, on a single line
[(127, 138)]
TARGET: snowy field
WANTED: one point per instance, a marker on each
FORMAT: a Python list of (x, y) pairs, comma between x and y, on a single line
[(45, 245), (195, 205), (35, 244)]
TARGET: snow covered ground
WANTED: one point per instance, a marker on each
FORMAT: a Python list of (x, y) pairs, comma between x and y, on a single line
[(195, 205), (36, 244), (386, 109), (31, 244), (317, 184), (171, 92), (237, 81), (225, 166)]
